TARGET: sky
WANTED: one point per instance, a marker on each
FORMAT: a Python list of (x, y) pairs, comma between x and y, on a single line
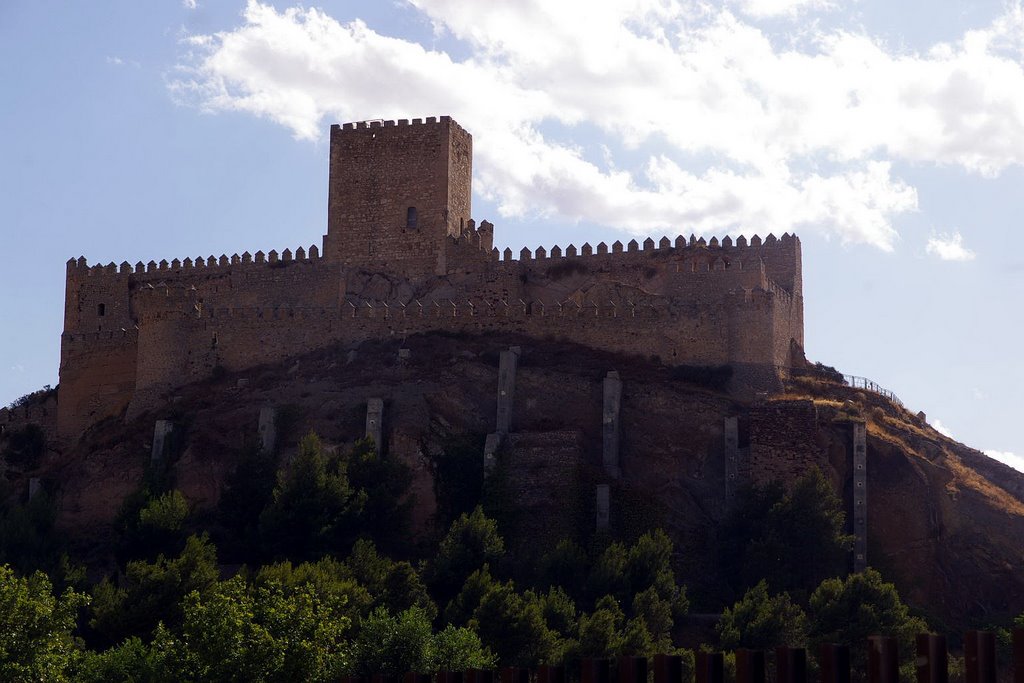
[(888, 136)]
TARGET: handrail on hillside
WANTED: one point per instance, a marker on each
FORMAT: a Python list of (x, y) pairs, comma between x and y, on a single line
[(852, 381)]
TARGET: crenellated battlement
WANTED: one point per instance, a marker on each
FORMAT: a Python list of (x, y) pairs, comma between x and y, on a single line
[(376, 124), (80, 267), (681, 245), (402, 256)]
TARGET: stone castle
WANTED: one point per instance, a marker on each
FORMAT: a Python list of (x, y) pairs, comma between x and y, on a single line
[(402, 256)]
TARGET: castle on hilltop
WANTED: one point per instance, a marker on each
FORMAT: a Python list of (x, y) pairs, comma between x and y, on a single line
[(402, 255)]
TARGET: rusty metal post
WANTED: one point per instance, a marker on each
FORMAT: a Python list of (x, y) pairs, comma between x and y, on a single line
[(750, 666), (834, 663), (591, 671), (710, 667), (790, 665), (668, 669), (1018, 655), (932, 661), (883, 660), (549, 674), (980, 657)]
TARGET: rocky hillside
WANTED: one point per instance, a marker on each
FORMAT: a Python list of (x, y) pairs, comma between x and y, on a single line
[(945, 522)]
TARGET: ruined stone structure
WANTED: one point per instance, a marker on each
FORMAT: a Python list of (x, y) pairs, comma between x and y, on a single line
[(401, 256)]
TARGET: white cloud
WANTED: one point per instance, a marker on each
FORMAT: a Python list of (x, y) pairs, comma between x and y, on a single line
[(118, 61), (778, 8), (949, 247), (1007, 458), (189, 4), (18, 367), (736, 132), (942, 429)]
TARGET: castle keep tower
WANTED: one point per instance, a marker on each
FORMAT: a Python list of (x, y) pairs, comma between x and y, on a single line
[(397, 190)]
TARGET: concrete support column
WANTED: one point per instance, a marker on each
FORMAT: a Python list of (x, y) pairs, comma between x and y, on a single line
[(610, 423), (162, 431), (507, 365), (506, 387), (268, 429), (375, 422), (491, 446), (860, 497), (732, 456), (603, 500)]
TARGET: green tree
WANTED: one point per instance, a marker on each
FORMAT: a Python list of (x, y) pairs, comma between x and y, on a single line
[(394, 585), (35, 628), (847, 611), (131, 661), (760, 621), (329, 578), (23, 448), (793, 540), (384, 482), (460, 610), (512, 625), (559, 612), (248, 490), (563, 566), (641, 577), (314, 507), (239, 632), (458, 649), (392, 645), (28, 539), (166, 512), (471, 542), (152, 592), (600, 632), (458, 477)]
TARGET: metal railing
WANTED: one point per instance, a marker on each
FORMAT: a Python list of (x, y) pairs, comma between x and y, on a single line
[(852, 381)]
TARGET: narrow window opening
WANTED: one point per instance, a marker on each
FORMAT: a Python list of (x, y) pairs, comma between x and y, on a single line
[(410, 218), (101, 310)]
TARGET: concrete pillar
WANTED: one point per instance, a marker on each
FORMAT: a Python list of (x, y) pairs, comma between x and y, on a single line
[(375, 422), (162, 430), (506, 387), (603, 496), (35, 485), (268, 429), (610, 423), (491, 446), (860, 497), (732, 457)]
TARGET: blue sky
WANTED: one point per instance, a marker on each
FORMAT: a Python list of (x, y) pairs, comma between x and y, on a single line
[(889, 136)]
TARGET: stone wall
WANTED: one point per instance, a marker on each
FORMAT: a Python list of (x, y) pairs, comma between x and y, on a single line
[(134, 333), (784, 441)]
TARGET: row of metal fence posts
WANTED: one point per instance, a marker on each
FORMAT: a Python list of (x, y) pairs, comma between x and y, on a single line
[(932, 665)]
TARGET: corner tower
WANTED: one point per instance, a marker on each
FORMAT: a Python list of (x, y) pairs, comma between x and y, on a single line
[(397, 191)]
